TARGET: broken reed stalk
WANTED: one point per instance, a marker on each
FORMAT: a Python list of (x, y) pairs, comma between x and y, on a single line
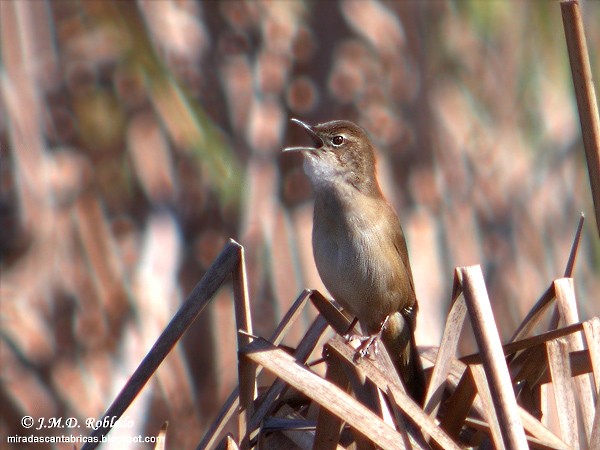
[(329, 425), (591, 330), (265, 402), (404, 402), (496, 370), (560, 370), (585, 94), (161, 442), (525, 343), (536, 313), (567, 305), (327, 395), (446, 352), (303, 351), (232, 403), (246, 369), (574, 248), (185, 316)]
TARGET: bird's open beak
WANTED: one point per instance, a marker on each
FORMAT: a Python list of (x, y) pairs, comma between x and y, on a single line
[(313, 135)]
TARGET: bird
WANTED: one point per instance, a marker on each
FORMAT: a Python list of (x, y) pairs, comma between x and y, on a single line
[(359, 246)]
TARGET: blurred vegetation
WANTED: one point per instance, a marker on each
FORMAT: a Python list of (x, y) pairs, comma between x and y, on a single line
[(136, 137)]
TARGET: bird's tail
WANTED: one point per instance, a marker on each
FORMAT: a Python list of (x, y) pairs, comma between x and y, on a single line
[(412, 373), (399, 340)]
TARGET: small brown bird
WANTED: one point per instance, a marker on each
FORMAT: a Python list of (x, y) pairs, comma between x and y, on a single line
[(358, 243)]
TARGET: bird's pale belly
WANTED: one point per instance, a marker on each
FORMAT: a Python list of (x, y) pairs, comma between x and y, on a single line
[(357, 276)]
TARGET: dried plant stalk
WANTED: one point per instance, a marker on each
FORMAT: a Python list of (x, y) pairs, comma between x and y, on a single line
[(563, 392), (162, 436), (565, 295), (334, 316), (329, 425), (193, 305), (303, 438), (446, 352), (574, 247), (591, 330), (227, 443), (304, 349), (592, 335), (595, 439), (324, 393), (486, 334), (489, 405), (246, 369), (539, 431), (402, 400), (460, 404), (233, 401), (585, 95)]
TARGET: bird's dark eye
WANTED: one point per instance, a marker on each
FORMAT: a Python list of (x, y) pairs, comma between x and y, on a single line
[(338, 140)]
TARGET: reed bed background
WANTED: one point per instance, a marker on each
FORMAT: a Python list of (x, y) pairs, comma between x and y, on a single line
[(137, 137)]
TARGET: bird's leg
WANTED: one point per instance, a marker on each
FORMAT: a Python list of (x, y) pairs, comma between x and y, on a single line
[(371, 340)]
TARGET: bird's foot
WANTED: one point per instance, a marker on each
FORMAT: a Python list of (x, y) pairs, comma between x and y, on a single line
[(369, 345)]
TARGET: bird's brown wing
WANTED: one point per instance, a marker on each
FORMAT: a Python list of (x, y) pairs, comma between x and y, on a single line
[(398, 336), (400, 245)]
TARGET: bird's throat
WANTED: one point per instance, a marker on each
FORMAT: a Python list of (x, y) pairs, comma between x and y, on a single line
[(322, 173)]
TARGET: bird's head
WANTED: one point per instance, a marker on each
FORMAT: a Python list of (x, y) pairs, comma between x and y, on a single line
[(341, 153)]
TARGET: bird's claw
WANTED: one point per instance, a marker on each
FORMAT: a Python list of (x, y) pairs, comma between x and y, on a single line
[(369, 345), (366, 342)]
